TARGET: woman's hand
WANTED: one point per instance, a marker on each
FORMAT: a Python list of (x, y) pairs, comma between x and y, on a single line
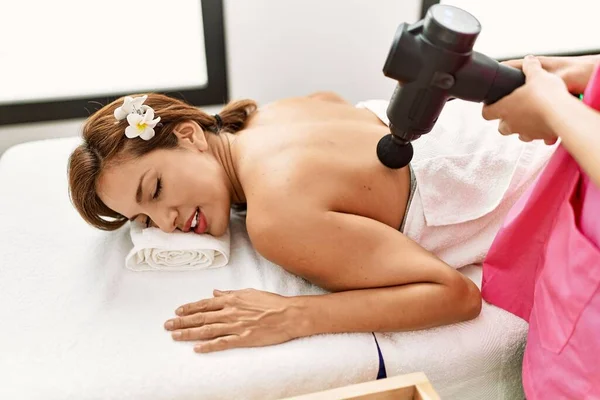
[(574, 71), (525, 110), (240, 318)]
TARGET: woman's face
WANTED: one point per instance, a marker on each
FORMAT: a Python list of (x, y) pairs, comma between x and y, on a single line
[(167, 188)]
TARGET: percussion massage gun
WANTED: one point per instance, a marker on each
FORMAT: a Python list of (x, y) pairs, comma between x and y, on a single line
[(433, 61)]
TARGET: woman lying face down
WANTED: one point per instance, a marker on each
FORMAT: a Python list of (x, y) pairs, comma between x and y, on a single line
[(319, 204)]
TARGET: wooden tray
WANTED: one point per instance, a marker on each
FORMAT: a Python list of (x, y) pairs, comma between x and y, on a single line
[(402, 387)]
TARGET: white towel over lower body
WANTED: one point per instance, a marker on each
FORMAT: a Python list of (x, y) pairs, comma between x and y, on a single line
[(177, 251), (468, 178)]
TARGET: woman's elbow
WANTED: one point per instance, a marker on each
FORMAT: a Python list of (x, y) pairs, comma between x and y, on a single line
[(474, 303), (466, 297)]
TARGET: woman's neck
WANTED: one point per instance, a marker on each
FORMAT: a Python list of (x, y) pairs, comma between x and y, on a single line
[(220, 147)]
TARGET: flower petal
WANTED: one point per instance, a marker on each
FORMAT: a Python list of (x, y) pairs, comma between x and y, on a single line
[(148, 115), (153, 123), (120, 114), (134, 119), (138, 101), (147, 134), (131, 132), (127, 104)]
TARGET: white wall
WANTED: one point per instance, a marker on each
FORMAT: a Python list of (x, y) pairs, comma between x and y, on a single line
[(284, 48), (520, 27), (281, 48)]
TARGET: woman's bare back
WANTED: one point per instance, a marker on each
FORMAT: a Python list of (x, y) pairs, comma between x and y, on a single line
[(320, 150)]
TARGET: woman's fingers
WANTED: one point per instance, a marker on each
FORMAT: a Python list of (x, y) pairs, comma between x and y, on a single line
[(206, 332), (248, 318), (220, 293), (198, 319), (550, 142), (214, 304), (220, 344)]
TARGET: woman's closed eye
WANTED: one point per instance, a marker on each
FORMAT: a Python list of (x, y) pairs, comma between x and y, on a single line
[(157, 191), (158, 188)]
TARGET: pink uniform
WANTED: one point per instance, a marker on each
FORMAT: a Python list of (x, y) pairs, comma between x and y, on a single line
[(544, 266)]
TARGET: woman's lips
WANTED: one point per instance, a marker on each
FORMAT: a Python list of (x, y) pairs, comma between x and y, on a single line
[(202, 224), (188, 224)]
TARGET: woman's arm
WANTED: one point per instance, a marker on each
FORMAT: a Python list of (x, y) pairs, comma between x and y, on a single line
[(384, 282), (372, 267), (578, 126), (412, 306)]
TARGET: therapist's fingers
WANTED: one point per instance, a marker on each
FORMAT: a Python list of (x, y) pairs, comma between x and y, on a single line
[(524, 138), (550, 142), (214, 304), (504, 129), (206, 332), (514, 63), (490, 113), (531, 66)]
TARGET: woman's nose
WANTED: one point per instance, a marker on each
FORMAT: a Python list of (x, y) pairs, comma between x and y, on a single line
[(167, 220)]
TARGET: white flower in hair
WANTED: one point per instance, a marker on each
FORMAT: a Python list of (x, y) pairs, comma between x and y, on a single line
[(141, 125), (130, 105)]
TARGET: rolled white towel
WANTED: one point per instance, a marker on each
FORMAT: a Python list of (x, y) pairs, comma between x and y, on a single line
[(155, 250)]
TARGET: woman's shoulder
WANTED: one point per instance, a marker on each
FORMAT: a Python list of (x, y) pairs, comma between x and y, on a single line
[(300, 109), (281, 181), (281, 176), (271, 207), (327, 96)]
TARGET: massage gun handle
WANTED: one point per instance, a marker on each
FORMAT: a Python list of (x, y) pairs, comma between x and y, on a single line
[(483, 79), (506, 81)]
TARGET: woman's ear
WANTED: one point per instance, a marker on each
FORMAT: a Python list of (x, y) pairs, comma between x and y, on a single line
[(191, 135)]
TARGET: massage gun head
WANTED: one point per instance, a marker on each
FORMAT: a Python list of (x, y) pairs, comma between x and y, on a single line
[(433, 61)]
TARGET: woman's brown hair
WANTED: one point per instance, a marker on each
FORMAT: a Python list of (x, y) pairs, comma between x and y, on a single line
[(104, 141)]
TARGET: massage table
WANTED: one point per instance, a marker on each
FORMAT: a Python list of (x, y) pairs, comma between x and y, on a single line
[(76, 324)]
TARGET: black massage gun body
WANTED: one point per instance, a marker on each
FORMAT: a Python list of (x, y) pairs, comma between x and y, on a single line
[(433, 61)]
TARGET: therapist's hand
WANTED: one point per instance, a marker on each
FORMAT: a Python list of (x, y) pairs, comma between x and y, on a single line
[(524, 111), (574, 71), (239, 318)]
